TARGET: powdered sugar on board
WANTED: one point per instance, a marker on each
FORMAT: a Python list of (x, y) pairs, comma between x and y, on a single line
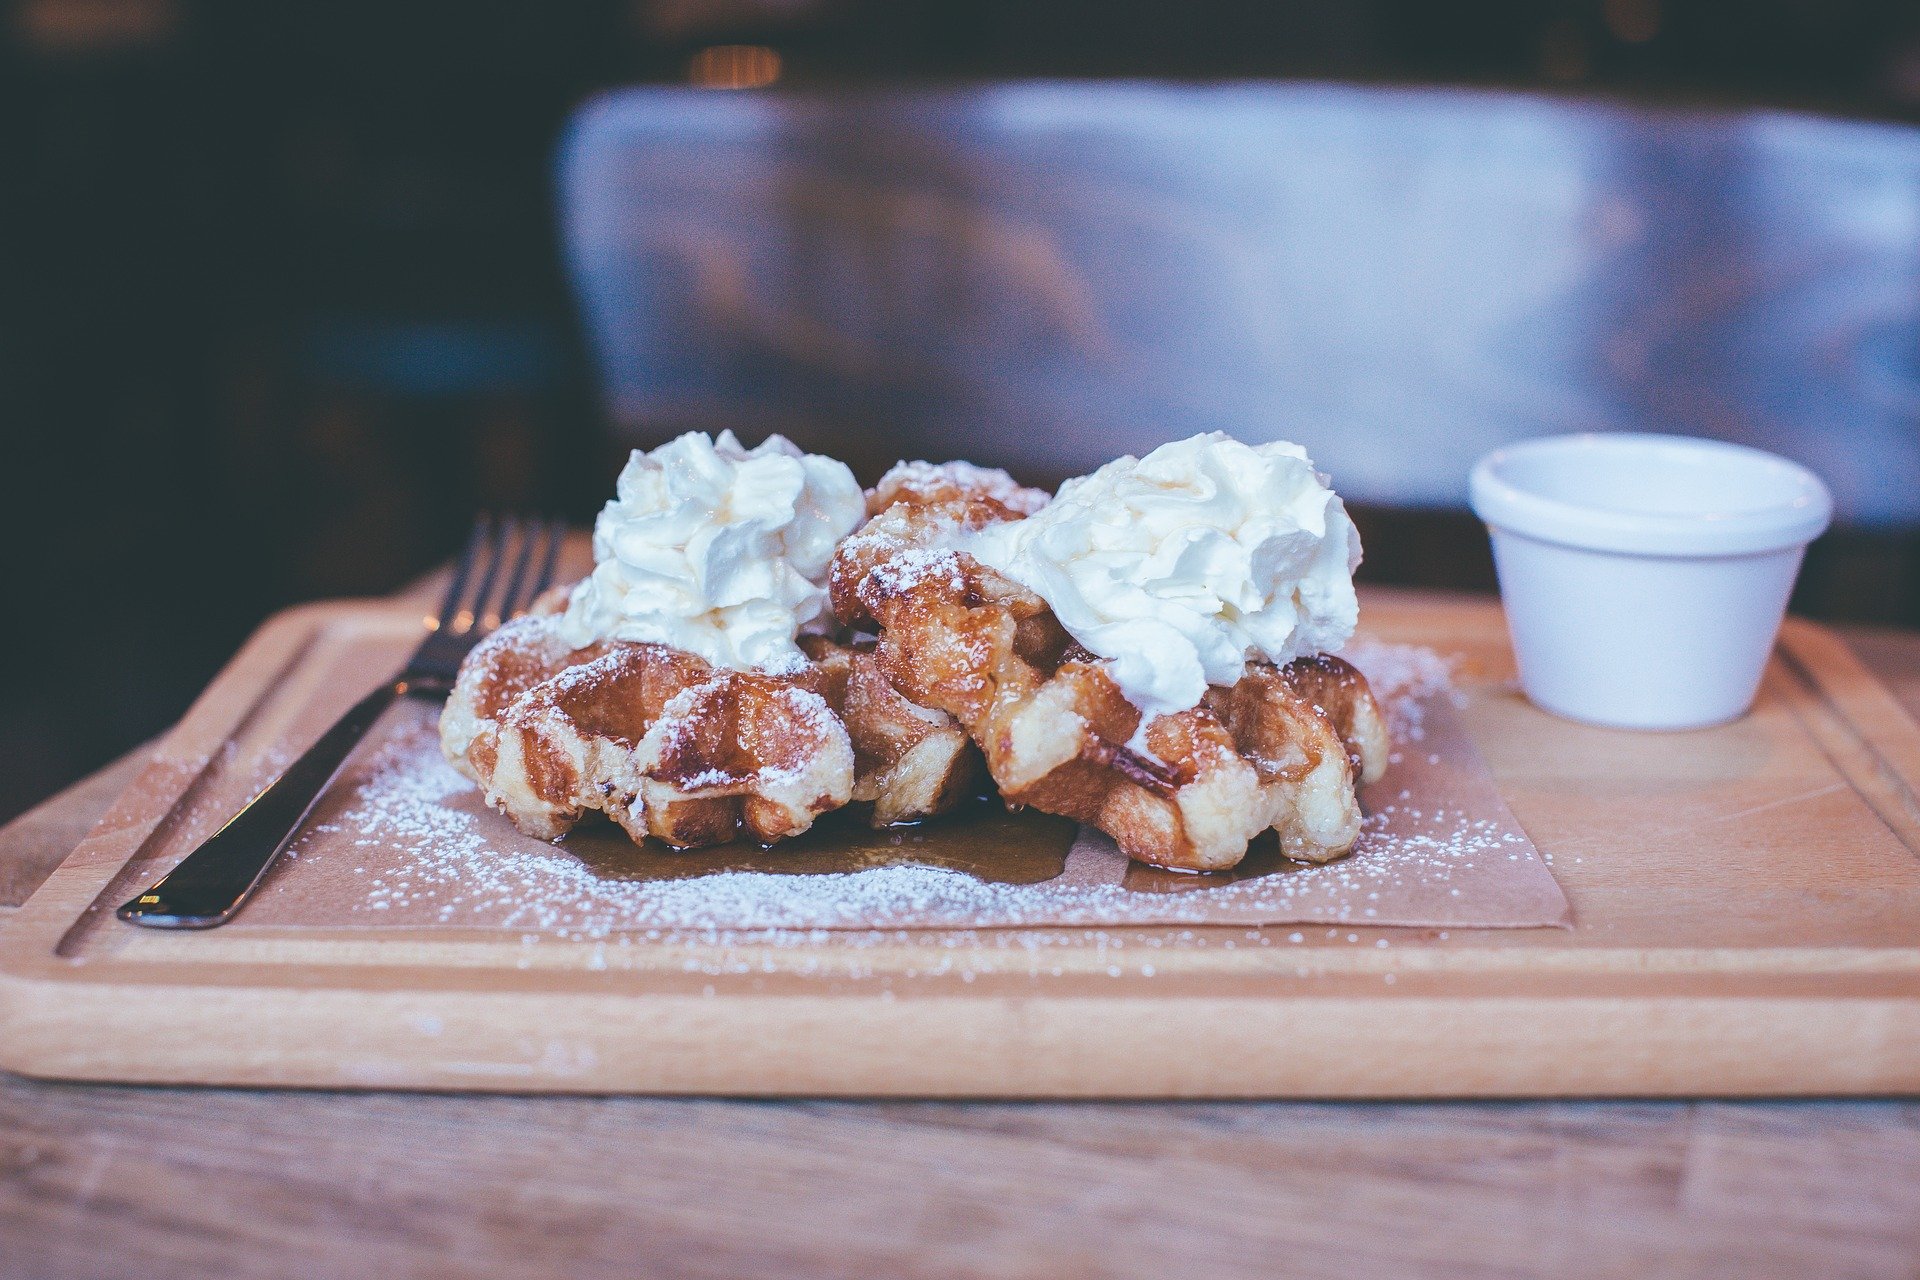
[(405, 841)]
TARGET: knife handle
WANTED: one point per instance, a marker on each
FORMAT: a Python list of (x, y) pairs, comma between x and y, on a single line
[(213, 881)]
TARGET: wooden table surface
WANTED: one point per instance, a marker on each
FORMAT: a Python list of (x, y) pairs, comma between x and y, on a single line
[(238, 1182)]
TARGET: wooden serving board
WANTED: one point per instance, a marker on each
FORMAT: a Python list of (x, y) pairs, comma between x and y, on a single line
[(1746, 903)]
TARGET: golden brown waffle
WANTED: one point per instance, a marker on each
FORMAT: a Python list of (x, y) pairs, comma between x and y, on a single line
[(1282, 749), (663, 743), (909, 762), (670, 747)]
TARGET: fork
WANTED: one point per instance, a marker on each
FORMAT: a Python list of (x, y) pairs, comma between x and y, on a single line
[(212, 883)]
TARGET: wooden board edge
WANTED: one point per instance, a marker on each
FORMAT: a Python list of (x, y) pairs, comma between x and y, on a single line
[(1865, 731), (32, 932), (1001, 1047)]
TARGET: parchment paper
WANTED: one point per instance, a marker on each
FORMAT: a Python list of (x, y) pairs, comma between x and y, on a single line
[(403, 840)]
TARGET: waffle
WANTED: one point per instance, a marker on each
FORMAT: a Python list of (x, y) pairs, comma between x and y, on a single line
[(670, 747), (664, 744), (909, 762), (1281, 750)]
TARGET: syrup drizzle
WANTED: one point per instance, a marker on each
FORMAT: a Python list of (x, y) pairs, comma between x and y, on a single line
[(980, 838)]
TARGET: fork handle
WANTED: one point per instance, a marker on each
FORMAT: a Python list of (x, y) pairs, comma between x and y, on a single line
[(213, 881)]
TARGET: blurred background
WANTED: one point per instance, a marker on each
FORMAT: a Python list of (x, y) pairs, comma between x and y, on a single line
[(284, 300)]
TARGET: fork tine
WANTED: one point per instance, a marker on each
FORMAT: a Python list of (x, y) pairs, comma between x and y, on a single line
[(556, 537), (511, 602), (503, 527), (462, 569)]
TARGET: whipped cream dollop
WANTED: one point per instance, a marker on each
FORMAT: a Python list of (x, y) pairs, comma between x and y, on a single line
[(1181, 566), (717, 549)]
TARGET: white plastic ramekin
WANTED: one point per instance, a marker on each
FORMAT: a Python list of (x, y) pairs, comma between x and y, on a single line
[(1645, 576)]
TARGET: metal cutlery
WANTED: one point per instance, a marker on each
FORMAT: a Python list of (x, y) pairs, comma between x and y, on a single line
[(507, 562)]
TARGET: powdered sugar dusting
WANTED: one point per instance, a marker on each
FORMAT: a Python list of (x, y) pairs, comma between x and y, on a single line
[(677, 731), (1405, 678), (915, 566), (469, 866), (889, 537), (932, 477), (407, 841)]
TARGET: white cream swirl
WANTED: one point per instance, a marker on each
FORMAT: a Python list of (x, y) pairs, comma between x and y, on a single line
[(718, 550), (1181, 566)]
